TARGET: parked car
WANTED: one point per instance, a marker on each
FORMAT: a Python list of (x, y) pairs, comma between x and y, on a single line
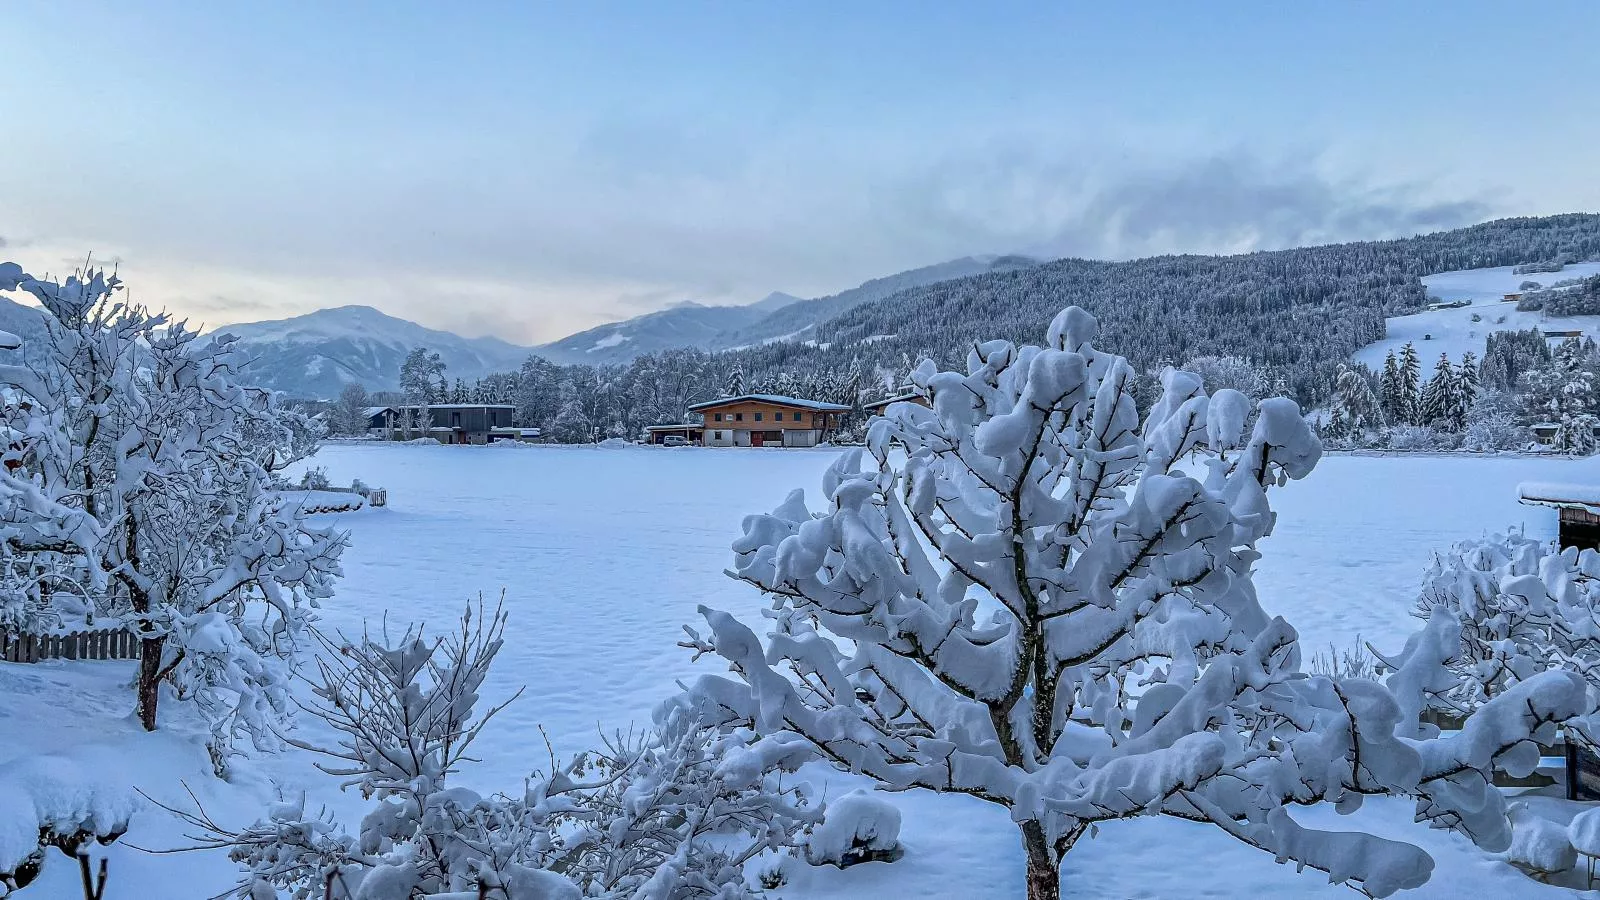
[(674, 440)]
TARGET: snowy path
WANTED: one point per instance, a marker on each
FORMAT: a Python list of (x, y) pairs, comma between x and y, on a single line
[(604, 554)]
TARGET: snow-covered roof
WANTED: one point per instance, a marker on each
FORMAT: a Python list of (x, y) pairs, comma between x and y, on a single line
[(679, 427), (370, 411), (907, 395), (1569, 496), (460, 406), (775, 400)]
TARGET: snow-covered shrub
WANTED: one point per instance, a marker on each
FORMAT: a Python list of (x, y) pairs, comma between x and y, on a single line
[(1020, 596), (1496, 432), (315, 479), (1351, 662), (53, 801), (858, 827), (671, 814), (1416, 437), (1512, 608), (142, 472)]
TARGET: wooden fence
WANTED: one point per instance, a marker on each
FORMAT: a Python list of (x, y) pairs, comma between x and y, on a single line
[(105, 643)]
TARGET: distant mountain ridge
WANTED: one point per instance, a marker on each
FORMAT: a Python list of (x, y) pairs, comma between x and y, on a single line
[(776, 317), (317, 354)]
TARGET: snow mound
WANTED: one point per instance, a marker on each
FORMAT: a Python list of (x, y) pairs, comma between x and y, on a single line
[(616, 443), (858, 827), (1584, 832), (1537, 844)]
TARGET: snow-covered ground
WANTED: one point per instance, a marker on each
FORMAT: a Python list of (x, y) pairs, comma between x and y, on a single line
[(1453, 331), (604, 553)]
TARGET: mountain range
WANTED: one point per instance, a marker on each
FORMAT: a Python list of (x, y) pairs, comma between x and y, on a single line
[(317, 354)]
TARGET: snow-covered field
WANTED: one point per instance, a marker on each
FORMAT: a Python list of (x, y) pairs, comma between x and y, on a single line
[(1454, 332), (604, 553)]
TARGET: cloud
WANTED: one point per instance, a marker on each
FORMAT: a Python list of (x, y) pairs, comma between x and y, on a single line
[(1226, 202)]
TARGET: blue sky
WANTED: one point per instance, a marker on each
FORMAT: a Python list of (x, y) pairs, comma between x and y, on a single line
[(526, 170)]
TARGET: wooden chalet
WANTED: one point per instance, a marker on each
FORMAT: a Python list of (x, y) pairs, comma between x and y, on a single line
[(1578, 508), (767, 420)]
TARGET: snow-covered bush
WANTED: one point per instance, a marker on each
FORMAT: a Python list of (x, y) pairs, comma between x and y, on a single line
[(53, 801), (858, 827), (1512, 608), (671, 814), (1495, 432), (1416, 437), (141, 471), (1020, 595)]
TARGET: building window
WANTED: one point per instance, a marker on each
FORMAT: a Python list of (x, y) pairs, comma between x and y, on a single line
[(758, 417), (716, 435), (455, 420), (719, 417), (738, 417)]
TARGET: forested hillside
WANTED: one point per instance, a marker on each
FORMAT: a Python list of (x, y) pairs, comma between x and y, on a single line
[(1297, 313)]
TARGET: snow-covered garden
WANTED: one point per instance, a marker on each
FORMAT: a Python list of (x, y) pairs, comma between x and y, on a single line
[(1054, 632), (595, 622)]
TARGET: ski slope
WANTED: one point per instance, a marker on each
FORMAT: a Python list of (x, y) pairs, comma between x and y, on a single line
[(1453, 331), (603, 553)]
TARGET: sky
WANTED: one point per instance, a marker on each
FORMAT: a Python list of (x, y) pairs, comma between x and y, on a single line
[(527, 170)]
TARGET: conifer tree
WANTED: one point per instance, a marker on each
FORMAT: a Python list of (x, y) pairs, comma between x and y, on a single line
[(736, 380), (1410, 395)]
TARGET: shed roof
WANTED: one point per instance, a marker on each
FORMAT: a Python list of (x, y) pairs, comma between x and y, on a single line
[(370, 411), (459, 406), (775, 400), (1568, 496), (679, 427), (904, 395)]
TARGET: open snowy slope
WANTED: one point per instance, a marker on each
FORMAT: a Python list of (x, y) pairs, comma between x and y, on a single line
[(1455, 332), (604, 553)]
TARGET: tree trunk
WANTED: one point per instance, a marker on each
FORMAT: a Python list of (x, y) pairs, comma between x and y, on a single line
[(150, 649), (1044, 868)]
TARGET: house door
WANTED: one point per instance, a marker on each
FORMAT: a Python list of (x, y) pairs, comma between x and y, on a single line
[(757, 438)]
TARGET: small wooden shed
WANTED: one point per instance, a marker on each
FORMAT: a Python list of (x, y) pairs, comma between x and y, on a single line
[(1577, 505)]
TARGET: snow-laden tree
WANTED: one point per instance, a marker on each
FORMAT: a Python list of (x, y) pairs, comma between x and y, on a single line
[(1237, 373), (1408, 389), (1468, 380), (422, 382), (349, 414), (1392, 391), (145, 470), (1024, 595), (674, 813), (1441, 398), (735, 386), (1356, 408)]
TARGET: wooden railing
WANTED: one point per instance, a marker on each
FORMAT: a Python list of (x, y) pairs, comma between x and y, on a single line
[(104, 643)]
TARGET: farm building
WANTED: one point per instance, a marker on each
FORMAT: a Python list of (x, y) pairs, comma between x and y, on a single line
[(449, 423), (1561, 333), (1578, 506), (906, 395), (767, 420), (1511, 298)]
